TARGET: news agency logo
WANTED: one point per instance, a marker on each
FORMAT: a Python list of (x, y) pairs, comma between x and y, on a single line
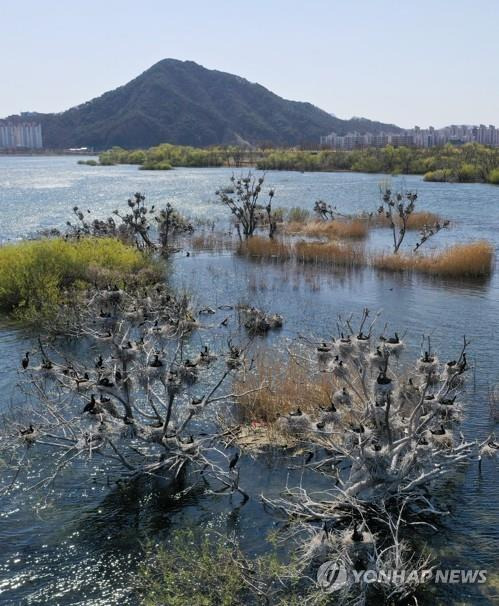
[(333, 576)]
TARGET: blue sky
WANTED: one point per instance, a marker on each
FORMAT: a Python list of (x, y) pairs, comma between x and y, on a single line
[(417, 62)]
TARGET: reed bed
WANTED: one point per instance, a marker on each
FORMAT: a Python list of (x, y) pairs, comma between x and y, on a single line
[(265, 248), (282, 388), (355, 229), (330, 253), (472, 260)]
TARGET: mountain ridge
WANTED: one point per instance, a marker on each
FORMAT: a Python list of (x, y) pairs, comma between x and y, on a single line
[(184, 103)]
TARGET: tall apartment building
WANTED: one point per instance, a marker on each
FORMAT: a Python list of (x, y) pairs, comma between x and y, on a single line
[(15, 135), (416, 137)]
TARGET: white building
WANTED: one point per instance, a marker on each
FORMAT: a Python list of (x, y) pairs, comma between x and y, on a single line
[(14, 135)]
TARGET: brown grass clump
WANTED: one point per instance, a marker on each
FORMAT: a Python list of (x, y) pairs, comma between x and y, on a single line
[(472, 260), (416, 221), (330, 253), (286, 387), (265, 248), (356, 229)]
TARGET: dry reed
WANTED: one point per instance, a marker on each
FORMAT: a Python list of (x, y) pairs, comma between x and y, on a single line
[(266, 248), (463, 260), (330, 253), (356, 229), (286, 387)]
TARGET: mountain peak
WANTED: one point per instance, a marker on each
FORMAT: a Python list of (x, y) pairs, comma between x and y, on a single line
[(183, 102)]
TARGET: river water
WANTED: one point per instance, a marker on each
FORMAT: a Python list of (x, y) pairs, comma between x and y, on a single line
[(80, 543)]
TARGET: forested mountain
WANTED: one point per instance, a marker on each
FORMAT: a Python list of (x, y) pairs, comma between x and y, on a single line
[(184, 103)]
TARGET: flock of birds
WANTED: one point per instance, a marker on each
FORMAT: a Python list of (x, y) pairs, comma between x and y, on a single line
[(370, 412)]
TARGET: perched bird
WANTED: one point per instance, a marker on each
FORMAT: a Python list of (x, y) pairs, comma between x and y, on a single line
[(357, 536), (321, 425), (90, 406), (99, 363), (383, 379), (25, 361), (105, 382), (309, 457), (438, 432), (29, 430), (359, 429), (233, 461), (156, 363), (395, 340), (296, 413), (447, 401)]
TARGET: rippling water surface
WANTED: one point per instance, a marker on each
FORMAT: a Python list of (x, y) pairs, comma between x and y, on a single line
[(79, 543)]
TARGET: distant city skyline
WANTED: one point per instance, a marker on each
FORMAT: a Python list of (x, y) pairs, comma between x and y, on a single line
[(416, 137), (430, 63)]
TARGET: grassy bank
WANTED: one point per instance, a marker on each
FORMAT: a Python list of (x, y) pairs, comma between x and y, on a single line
[(35, 276)]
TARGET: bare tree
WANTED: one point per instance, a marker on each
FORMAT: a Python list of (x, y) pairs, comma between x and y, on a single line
[(138, 405), (142, 225), (388, 438), (400, 206), (245, 206), (397, 208)]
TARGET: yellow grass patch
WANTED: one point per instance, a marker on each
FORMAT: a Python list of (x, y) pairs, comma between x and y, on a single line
[(330, 253), (266, 248), (286, 387), (352, 228), (466, 260)]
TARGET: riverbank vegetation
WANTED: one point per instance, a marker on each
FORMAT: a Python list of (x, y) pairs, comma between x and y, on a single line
[(123, 251), (209, 569), (38, 276), (166, 156), (469, 163)]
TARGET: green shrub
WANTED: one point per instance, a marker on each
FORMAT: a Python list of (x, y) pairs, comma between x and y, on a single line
[(156, 166), (207, 569), (494, 176), (298, 215), (440, 175), (34, 275), (467, 173)]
